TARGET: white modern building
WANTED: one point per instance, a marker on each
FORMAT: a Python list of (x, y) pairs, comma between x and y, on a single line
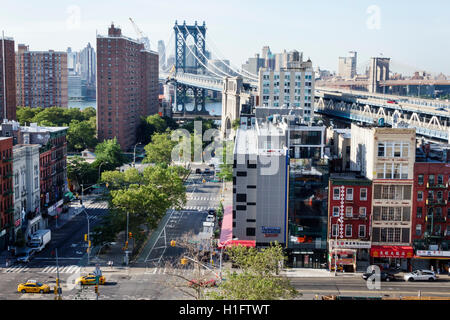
[(291, 87)]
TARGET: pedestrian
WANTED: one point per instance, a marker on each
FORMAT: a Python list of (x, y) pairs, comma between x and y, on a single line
[(7, 263)]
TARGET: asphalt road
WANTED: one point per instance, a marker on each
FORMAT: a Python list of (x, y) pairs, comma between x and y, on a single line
[(201, 196), (356, 286)]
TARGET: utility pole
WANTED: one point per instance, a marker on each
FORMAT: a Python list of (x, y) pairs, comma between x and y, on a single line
[(58, 288)]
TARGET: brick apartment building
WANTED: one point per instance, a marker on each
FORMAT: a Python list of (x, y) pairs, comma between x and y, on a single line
[(127, 86), (6, 193), (431, 211), (349, 216), (41, 78), (7, 79)]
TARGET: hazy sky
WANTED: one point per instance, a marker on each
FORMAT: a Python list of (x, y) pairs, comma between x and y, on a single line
[(414, 34)]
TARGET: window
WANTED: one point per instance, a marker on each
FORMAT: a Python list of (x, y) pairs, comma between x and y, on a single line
[(335, 211), (349, 194), (363, 194), (419, 212), (334, 229), (348, 230), (241, 173), (336, 193), (420, 179), (362, 212), (439, 195), (241, 208), (381, 150), (241, 197), (418, 230), (419, 195), (349, 212), (431, 179), (440, 179), (362, 231), (250, 232)]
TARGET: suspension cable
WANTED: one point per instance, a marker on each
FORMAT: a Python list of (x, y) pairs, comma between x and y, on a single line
[(195, 56), (209, 62), (236, 69)]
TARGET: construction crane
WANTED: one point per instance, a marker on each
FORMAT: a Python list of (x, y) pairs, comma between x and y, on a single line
[(142, 37)]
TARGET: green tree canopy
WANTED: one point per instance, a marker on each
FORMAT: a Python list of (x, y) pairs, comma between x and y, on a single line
[(81, 135), (258, 277), (160, 149), (81, 172), (108, 155)]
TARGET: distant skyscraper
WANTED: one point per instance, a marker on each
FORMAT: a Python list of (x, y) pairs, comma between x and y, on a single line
[(253, 65), (7, 79), (347, 66), (162, 54), (41, 78), (127, 86), (88, 64)]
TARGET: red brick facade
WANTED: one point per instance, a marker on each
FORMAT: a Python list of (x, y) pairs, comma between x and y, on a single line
[(6, 195), (10, 79), (127, 86), (431, 198)]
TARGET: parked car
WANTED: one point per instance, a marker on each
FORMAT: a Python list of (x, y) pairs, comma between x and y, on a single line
[(384, 276), (210, 218), (212, 212), (90, 279), (392, 101), (202, 283), (420, 275), (198, 171), (207, 171), (32, 286)]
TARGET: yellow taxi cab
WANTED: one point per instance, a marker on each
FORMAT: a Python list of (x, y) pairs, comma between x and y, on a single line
[(32, 286), (90, 279)]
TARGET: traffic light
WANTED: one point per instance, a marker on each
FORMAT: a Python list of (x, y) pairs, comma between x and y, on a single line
[(96, 289), (173, 243), (130, 235), (57, 282), (107, 185), (183, 261), (85, 237), (89, 243)]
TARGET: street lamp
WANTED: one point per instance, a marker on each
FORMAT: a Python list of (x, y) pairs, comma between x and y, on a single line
[(99, 170), (89, 249), (134, 154)]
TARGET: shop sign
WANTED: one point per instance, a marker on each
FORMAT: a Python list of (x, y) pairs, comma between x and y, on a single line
[(391, 253), (427, 253), (350, 244), (270, 230)]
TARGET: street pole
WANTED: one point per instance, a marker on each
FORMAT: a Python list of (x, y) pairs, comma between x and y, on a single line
[(127, 237), (134, 154), (99, 170), (89, 239), (57, 275)]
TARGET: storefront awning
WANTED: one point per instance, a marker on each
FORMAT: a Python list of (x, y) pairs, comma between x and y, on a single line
[(391, 252), (226, 233)]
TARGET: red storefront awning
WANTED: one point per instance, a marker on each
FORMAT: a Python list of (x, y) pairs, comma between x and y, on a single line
[(245, 243), (391, 252)]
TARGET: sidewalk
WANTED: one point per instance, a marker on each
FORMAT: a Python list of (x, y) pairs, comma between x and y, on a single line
[(316, 273)]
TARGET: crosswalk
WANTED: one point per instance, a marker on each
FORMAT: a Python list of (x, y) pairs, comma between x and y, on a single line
[(162, 270), (47, 269), (214, 198), (198, 208)]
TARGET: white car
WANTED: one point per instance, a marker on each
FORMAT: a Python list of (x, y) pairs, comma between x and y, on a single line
[(210, 218), (25, 255), (420, 275)]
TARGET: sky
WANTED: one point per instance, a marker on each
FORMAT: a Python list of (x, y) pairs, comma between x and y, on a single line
[(414, 34)]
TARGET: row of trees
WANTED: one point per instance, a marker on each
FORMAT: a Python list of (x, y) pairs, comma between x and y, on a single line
[(82, 123)]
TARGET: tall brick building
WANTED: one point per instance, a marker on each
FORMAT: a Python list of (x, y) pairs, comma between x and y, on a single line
[(7, 79), (41, 78), (6, 192), (127, 86)]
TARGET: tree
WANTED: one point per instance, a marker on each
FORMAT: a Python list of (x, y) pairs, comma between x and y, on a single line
[(160, 149), (153, 124), (109, 155), (196, 281), (236, 123), (25, 115), (80, 172), (258, 277), (81, 135)]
